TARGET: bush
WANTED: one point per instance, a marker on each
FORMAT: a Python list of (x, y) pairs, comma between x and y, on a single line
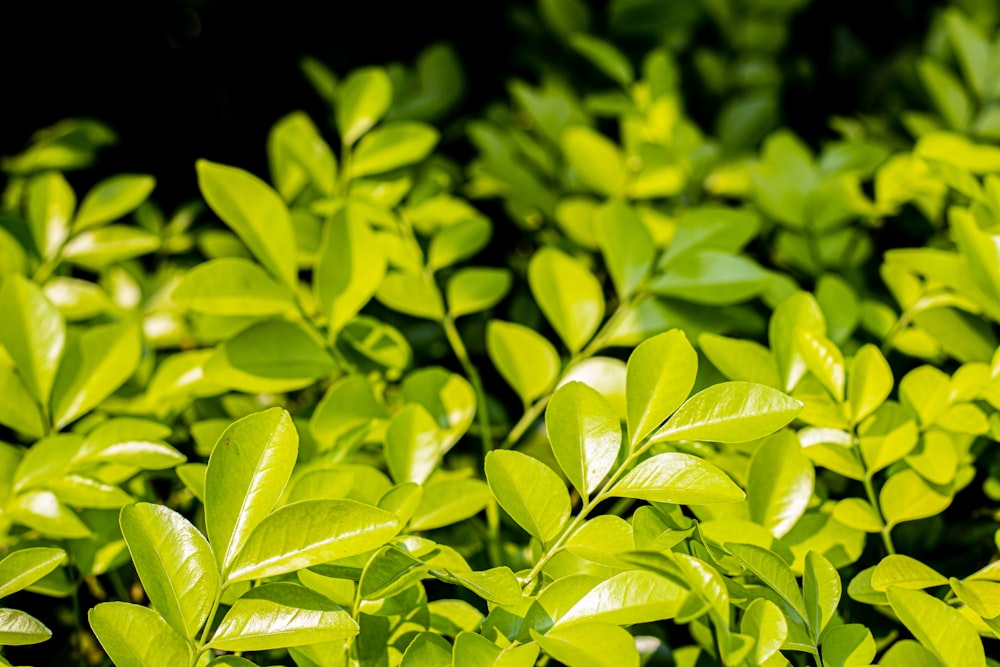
[(617, 390)]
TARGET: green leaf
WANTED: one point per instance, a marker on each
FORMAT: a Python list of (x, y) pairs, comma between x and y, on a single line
[(940, 628), (626, 244), (946, 92), (908, 653), (773, 571), (453, 243), (363, 98), (821, 590), (47, 459), (51, 201), (232, 286), (972, 50), (41, 510), (348, 404), (980, 595), (713, 278), (498, 585), (858, 514), (413, 295), (678, 478), (274, 355), (350, 267), (568, 294), (598, 162), (391, 146), (135, 636), (175, 564), (839, 303), (779, 483), (414, 444), (636, 596), (113, 198), (525, 359), (849, 645), (474, 650), (298, 155), (308, 533), (77, 299), (740, 359), (95, 364), (799, 311), (447, 397), (18, 628), (281, 615), (34, 334), (589, 645), (764, 621), (585, 434), (659, 376), (823, 359), (474, 289), (96, 249), (79, 491), (907, 497), (24, 567), (905, 572), (256, 213), (869, 382), (131, 442), (389, 572), (529, 491), (448, 501), (887, 436), (247, 471), (20, 410), (428, 649), (730, 412)]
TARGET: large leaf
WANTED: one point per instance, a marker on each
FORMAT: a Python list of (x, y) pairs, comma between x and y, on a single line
[(530, 492), (20, 569), (51, 201), (96, 363), (34, 334), (255, 212), (247, 471), (764, 621), (678, 478), (940, 628), (135, 636), (568, 294), (97, 249), (232, 286), (730, 412), (869, 382), (349, 268), (660, 374), (636, 596), (18, 628), (821, 590), (281, 615), (526, 359), (174, 562), (779, 483), (590, 645), (308, 533), (585, 434)]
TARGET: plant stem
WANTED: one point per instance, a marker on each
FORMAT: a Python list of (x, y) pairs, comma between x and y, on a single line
[(482, 412), (870, 492)]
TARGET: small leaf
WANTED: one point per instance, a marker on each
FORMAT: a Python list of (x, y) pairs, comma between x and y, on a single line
[(869, 382), (363, 98), (281, 615), (428, 649), (41, 510), (232, 286), (474, 289), (529, 491), (498, 585), (453, 243), (414, 444), (391, 146), (247, 471), (526, 360), (598, 162), (740, 359), (585, 434), (34, 334), (905, 572), (413, 295), (823, 359), (773, 571), (636, 596), (626, 244), (764, 621), (858, 514), (308, 533), (678, 478), (730, 412), (589, 645), (51, 201), (389, 572), (660, 374), (779, 483), (940, 628), (131, 442), (907, 497), (135, 636), (348, 404), (797, 311), (568, 294), (350, 267), (849, 645), (256, 213), (887, 436), (18, 628), (713, 278), (298, 155), (947, 93), (113, 198), (448, 501), (174, 563), (821, 589), (448, 398), (21, 568)]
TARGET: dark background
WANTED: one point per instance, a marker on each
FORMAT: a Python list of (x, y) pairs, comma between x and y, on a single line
[(184, 79)]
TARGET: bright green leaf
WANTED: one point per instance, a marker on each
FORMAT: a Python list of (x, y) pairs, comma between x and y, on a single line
[(905, 572), (113, 198), (362, 100), (660, 374), (530, 492), (135, 636), (392, 146), (526, 360), (568, 294), (779, 483), (474, 289), (598, 162), (940, 628), (34, 334), (590, 645), (585, 434), (21, 568), (232, 286), (678, 478)]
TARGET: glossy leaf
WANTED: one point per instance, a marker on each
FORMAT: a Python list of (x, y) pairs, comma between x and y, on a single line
[(97, 249), (740, 359), (678, 478), (530, 492), (281, 615), (51, 201), (568, 295), (308, 533), (461, 240), (34, 334), (598, 162), (906, 497), (135, 636), (255, 212), (773, 571), (22, 568), (18, 628), (112, 199), (413, 295), (590, 645), (660, 374), (635, 596), (413, 444), (427, 650), (712, 278), (526, 360), (626, 244), (349, 268), (232, 286), (764, 621), (362, 100), (448, 398), (823, 359), (821, 589), (131, 442), (20, 411), (475, 289), (730, 412), (585, 434), (174, 562), (448, 501), (348, 404), (869, 382), (298, 155), (392, 146), (938, 627), (848, 645), (247, 471), (797, 311), (779, 483), (905, 572)]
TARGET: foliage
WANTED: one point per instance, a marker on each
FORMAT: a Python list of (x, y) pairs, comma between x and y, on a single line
[(675, 401)]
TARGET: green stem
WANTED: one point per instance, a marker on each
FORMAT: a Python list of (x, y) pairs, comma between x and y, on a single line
[(483, 413), (208, 622), (873, 499), (493, 549)]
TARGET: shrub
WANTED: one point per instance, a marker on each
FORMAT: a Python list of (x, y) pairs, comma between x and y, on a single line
[(674, 400)]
